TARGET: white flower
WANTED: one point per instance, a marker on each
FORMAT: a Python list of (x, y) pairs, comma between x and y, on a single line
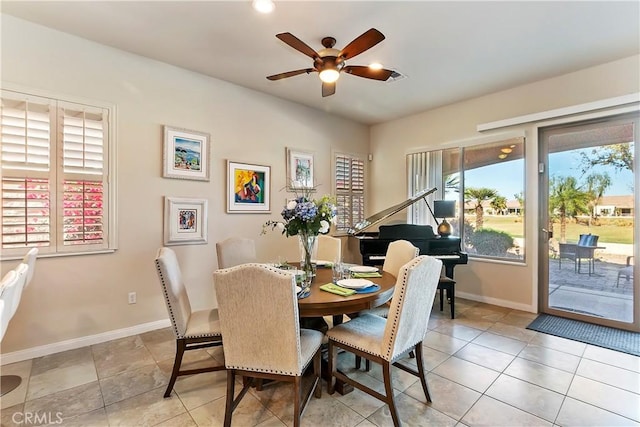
[(324, 226), (292, 205), (280, 226)]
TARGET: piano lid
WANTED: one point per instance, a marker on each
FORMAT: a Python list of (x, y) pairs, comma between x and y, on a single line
[(382, 215)]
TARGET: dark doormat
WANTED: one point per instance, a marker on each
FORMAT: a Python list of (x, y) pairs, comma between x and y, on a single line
[(602, 336)]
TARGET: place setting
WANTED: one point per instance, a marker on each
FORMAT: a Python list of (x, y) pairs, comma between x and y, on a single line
[(348, 280)]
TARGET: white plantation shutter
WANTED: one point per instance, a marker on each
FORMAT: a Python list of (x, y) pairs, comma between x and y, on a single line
[(54, 175), (349, 187)]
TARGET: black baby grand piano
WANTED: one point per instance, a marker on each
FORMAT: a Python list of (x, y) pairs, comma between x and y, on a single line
[(373, 245)]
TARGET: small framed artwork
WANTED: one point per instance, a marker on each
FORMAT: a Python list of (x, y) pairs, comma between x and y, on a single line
[(185, 221), (248, 188), (186, 154), (299, 169)]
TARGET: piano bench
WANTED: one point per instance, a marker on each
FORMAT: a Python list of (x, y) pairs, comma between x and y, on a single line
[(449, 285)]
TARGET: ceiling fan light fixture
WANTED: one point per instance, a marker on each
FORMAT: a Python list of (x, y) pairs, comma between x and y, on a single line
[(329, 75), (375, 66), (264, 6)]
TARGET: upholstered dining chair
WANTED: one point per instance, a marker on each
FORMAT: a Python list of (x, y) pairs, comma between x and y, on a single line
[(30, 259), (235, 251), (329, 248), (11, 287), (193, 329), (261, 330), (386, 341)]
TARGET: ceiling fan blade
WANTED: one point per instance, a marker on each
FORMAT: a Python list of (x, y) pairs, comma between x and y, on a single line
[(328, 89), (297, 44), (367, 72), (290, 74), (363, 42)]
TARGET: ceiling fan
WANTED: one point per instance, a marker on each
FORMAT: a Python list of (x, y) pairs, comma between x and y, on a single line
[(329, 62)]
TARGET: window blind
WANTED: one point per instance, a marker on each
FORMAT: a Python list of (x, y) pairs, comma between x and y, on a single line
[(349, 186)]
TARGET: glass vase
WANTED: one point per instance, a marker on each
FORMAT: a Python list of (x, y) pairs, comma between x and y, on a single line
[(307, 243)]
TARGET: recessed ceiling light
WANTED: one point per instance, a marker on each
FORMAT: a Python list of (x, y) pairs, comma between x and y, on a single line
[(506, 150), (264, 6), (502, 156)]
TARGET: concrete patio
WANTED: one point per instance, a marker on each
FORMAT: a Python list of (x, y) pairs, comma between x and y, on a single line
[(597, 294)]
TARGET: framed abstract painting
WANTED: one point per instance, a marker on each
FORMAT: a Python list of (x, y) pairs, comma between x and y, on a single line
[(300, 166), (185, 221), (248, 188)]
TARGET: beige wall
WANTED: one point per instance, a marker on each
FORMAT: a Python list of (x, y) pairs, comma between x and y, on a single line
[(500, 283), (74, 297)]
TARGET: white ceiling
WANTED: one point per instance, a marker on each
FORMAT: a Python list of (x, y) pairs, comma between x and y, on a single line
[(448, 51)]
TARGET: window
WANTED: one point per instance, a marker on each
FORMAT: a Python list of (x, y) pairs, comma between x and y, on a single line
[(349, 190), (487, 182), (55, 192)]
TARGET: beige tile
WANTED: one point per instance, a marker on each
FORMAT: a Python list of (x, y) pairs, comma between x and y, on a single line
[(273, 422), (97, 418), (17, 396), (579, 414), (612, 357), (500, 343), (61, 371), (484, 356), (547, 356), (131, 383), (480, 324), (192, 359), (611, 375), (604, 396), (161, 343), (411, 413), (455, 330), (316, 414), (196, 390), (539, 374), (68, 403), (12, 416), (361, 402), (560, 344), (431, 358), (521, 319), (447, 397), (400, 379), (530, 398), (511, 331), (117, 356), (490, 313), (182, 420), (467, 374), (490, 412), (249, 412), (442, 342), (149, 408)]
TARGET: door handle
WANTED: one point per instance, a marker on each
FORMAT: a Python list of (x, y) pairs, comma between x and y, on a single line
[(549, 233)]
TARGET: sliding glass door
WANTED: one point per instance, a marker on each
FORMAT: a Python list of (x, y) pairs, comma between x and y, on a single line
[(588, 186)]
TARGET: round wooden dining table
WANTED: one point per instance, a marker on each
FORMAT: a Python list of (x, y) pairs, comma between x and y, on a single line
[(321, 303)]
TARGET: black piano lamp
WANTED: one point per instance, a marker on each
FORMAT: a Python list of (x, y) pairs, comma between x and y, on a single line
[(444, 209)]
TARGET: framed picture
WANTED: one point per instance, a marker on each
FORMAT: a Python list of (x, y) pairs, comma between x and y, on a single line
[(186, 154), (299, 169), (185, 221), (248, 188)]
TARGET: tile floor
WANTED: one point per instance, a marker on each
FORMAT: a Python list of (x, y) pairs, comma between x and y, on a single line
[(484, 368)]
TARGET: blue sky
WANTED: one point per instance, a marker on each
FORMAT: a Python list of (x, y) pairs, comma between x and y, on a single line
[(508, 177)]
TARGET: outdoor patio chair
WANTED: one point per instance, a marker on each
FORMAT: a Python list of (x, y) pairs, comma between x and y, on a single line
[(577, 252), (626, 271)]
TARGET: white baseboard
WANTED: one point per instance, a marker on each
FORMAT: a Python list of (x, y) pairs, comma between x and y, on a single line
[(496, 301), (44, 350)]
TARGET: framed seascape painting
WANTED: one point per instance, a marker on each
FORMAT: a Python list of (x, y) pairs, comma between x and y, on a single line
[(185, 221), (248, 188), (299, 169), (186, 154)]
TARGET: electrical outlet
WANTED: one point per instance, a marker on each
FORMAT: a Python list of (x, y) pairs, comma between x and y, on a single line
[(132, 297)]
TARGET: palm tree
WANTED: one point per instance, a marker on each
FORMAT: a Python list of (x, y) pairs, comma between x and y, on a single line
[(499, 204), (597, 184), (520, 198), (567, 200), (477, 196)]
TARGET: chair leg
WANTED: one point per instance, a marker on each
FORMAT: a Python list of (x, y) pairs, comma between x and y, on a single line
[(297, 398), (390, 401), (228, 410), (180, 347), (452, 299), (441, 299), (358, 362), (333, 354), (317, 372), (421, 373)]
